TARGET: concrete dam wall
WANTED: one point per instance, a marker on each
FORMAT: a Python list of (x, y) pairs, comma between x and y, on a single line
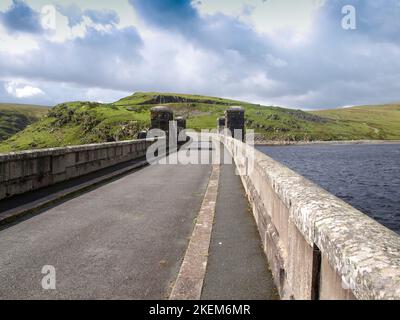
[(30, 170), (318, 246)]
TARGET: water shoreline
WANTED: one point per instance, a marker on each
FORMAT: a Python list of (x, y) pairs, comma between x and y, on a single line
[(321, 142)]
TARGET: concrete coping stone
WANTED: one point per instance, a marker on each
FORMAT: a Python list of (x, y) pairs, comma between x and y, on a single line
[(161, 109), (235, 109), (32, 154)]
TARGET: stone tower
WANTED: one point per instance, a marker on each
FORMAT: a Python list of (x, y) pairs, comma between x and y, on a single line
[(235, 121), (160, 118)]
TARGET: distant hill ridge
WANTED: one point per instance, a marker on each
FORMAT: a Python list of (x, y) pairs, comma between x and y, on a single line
[(81, 122), (16, 117)]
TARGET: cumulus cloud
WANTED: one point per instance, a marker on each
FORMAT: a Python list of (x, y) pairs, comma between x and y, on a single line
[(76, 15), (217, 32), (102, 17), (331, 67), (273, 17), (300, 56), (21, 18), (22, 91), (16, 44), (88, 55)]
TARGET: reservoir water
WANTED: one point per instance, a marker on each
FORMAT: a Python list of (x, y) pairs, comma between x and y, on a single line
[(367, 176)]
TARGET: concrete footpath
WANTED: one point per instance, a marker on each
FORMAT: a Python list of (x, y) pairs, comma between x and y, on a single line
[(237, 267), (122, 240)]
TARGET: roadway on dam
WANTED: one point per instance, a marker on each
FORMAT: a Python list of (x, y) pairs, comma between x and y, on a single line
[(126, 240)]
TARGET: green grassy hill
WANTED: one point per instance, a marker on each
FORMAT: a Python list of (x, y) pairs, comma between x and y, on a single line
[(368, 122), (16, 117), (87, 122)]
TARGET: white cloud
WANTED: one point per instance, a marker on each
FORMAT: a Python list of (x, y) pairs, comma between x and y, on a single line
[(63, 31), (124, 10), (272, 17), (21, 90), (5, 4), (16, 44), (275, 62)]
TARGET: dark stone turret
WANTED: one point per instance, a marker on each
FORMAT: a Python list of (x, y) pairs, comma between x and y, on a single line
[(221, 124), (181, 123), (160, 118), (235, 121)]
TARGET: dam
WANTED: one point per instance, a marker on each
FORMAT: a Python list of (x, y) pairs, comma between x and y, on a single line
[(243, 226)]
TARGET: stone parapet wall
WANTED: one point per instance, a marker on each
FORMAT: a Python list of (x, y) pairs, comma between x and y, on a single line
[(318, 246), (25, 171)]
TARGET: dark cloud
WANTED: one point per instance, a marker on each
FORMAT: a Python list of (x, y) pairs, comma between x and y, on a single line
[(337, 67), (217, 32), (171, 14), (21, 18)]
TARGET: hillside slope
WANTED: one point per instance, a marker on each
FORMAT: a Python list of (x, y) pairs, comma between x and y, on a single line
[(87, 122), (375, 122), (16, 117)]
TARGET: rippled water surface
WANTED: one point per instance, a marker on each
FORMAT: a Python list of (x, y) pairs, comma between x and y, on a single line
[(366, 176)]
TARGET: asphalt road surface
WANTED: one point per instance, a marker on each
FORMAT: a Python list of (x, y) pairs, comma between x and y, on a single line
[(123, 240)]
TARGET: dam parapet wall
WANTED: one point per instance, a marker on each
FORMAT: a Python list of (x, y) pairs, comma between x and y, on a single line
[(25, 171), (318, 246)]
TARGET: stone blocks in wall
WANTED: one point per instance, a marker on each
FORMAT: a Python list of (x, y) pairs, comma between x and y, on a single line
[(331, 284), (300, 266)]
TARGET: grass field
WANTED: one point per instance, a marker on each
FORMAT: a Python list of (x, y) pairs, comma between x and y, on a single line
[(377, 122), (16, 117), (87, 122)]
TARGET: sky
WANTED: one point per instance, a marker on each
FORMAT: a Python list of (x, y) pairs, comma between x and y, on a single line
[(307, 54)]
